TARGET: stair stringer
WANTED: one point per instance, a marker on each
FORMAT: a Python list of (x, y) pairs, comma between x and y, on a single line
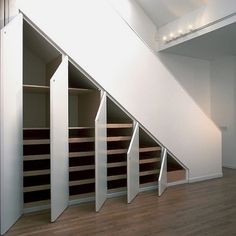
[(100, 42)]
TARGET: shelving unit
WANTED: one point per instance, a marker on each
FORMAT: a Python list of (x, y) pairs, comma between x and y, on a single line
[(175, 171), (38, 66), (119, 132), (84, 100), (149, 161)]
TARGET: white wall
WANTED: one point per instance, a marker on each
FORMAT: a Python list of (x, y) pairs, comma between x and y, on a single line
[(93, 34), (223, 104), (134, 15), (8, 10), (193, 74)]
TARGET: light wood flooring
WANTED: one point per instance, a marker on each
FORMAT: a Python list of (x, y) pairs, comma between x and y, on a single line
[(204, 208)]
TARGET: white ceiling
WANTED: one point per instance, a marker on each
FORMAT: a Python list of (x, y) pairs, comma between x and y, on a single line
[(164, 11), (209, 46)]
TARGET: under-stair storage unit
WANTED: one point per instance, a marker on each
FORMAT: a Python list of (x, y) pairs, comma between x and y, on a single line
[(84, 99), (64, 140), (176, 173), (149, 161), (119, 132), (45, 125)]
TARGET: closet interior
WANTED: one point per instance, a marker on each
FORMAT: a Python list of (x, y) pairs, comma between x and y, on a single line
[(40, 60)]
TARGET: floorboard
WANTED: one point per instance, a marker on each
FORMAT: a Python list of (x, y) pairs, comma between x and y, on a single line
[(204, 208)]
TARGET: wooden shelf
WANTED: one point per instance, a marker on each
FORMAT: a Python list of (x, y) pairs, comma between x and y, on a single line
[(116, 177), (115, 190), (149, 149), (116, 164), (36, 88), (38, 128), (150, 160), (81, 154), (75, 91), (118, 138), (37, 204), (79, 128), (81, 168), (36, 188), (36, 157), (117, 151), (82, 140), (119, 126), (36, 141), (149, 172), (36, 173), (82, 196), (81, 182), (149, 184)]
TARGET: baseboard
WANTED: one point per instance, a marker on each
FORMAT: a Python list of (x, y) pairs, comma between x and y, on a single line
[(229, 166), (177, 183), (82, 200), (36, 209), (148, 188), (206, 177), (117, 194)]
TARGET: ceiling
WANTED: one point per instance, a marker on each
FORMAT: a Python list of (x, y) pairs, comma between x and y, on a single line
[(209, 46), (163, 12)]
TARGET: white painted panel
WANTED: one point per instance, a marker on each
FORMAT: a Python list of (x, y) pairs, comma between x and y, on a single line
[(101, 154), (59, 140), (11, 123), (162, 181), (133, 166)]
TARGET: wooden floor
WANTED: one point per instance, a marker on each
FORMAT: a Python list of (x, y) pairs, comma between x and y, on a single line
[(205, 208)]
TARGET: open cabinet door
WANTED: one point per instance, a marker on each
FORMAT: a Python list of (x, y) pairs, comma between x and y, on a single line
[(162, 181), (11, 137), (133, 166), (101, 154), (59, 140)]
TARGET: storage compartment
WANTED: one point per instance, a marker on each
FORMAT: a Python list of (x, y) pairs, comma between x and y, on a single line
[(40, 61), (175, 171), (149, 160), (119, 131), (84, 99)]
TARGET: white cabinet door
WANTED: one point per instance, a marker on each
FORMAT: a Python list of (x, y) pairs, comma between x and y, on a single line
[(11, 137), (101, 154), (133, 166), (59, 140), (162, 181)]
